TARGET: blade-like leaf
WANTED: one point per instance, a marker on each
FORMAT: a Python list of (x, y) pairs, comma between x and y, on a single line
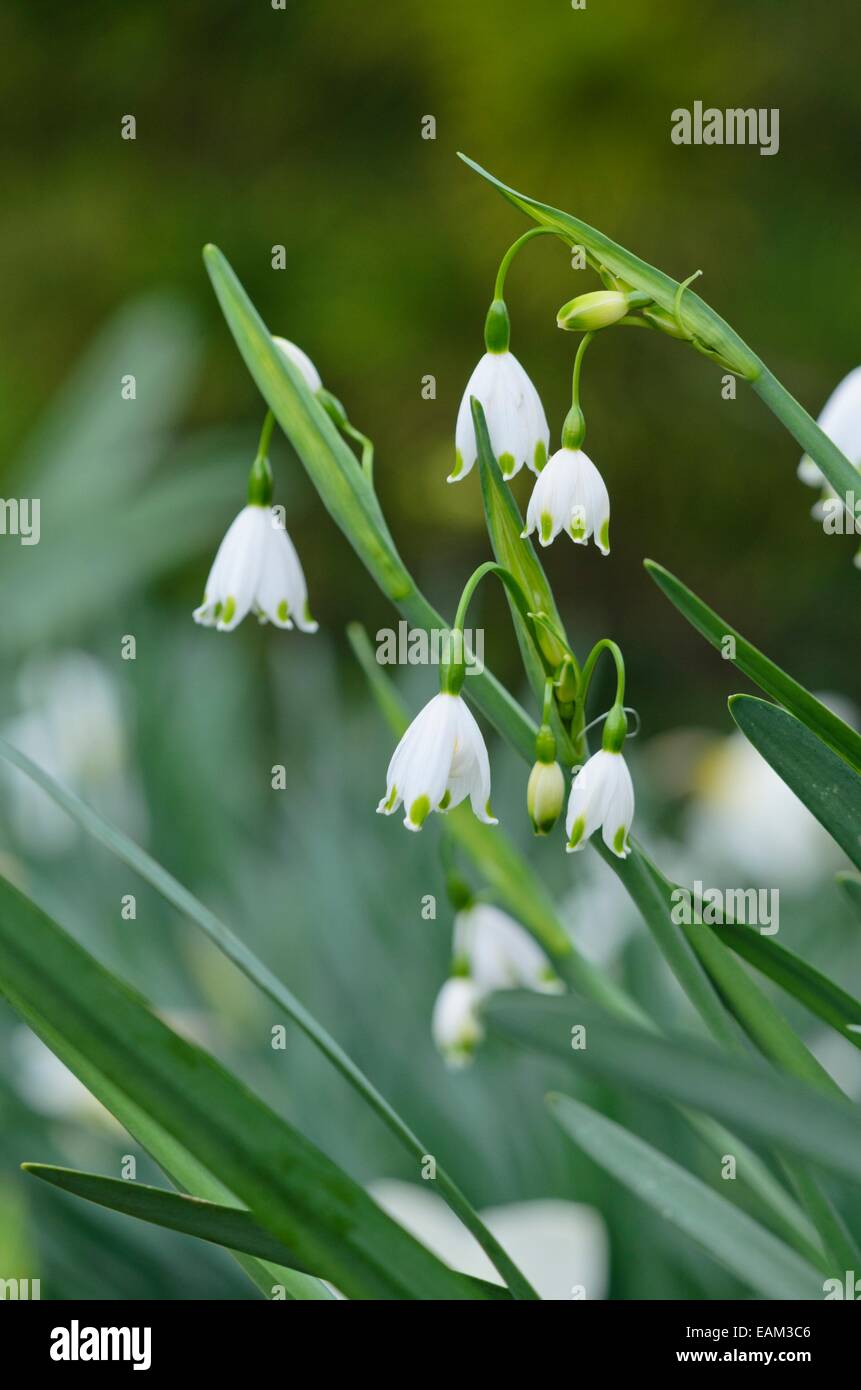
[(236, 951), (769, 677), (298, 1194), (753, 1254), (819, 778), (232, 1227), (851, 888), (183, 1170), (814, 990), (776, 1110)]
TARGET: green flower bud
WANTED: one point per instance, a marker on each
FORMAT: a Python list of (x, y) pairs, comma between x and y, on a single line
[(545, 796), (588, 312)]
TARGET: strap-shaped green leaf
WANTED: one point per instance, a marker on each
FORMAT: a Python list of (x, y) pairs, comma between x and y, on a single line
[(769, 677), (776, 1110), (296, 1193), (819, 778), (754, 1255)]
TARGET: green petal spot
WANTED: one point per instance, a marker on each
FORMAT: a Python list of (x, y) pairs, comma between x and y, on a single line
[(619, 840), (460, 968), (446, 802), (458, 465), (577, 530), (229, 609), (546, 526), (487, 808), (306, 613), (506, 463), (283, 610), (420, 810), (539, 458), (217, 609), (604, 535), (393, 796), (577, 832)]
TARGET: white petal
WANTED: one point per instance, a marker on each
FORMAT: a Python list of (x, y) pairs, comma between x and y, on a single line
[(840, 417), (235, 571), (282, 595), (455, 1025), (515, 417), (301, 360), (549, 510), (810, 472), (472, 764), (619, 808), (589, 793), (590, 502), (501, 955)]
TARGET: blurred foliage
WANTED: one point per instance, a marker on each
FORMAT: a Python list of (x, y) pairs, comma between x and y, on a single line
[(258, 127)]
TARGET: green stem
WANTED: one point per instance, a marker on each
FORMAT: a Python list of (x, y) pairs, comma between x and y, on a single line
[(838, 470), (266, 435), (451, 677), (578, 362), (514, 248)]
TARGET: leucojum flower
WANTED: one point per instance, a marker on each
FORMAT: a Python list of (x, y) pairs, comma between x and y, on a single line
[(441, 760), (256, 568), (602, 793), (512, 407), (840, 419), (491, 952)]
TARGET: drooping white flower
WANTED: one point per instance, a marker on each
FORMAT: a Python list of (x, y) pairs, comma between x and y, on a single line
[(570, 495), (499, 953), (256, 568), (301, 360), (515, 418), (602, 795), (455, 1024), (440, 760), (562, 1247)]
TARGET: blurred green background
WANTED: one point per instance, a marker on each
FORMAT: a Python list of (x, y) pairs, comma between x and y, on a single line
[(257, 128)]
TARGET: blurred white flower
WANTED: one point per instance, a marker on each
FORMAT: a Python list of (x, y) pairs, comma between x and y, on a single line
[(455, 1025), (499, 953), (602, 795), (570, 495), (561, 1247), (515, 418), (72, 727), (256, 567), (440, 760), (301, 360), (746, 817), (47, 1086)]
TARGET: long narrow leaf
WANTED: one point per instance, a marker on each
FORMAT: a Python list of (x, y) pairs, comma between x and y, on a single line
[(773, 1109), (819, 778), (236, 951), (294, 1190), (760, 1261), (765, 673)]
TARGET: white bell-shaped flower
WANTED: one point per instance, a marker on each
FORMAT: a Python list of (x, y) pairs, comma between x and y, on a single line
[(301, 360), (570, 495), (499, 953), (515, 418), (602, 795), (440, 760), (455, 1025), (256, 568)]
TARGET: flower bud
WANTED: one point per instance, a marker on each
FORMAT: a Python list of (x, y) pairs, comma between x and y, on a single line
[(545, 796), (588, 312)]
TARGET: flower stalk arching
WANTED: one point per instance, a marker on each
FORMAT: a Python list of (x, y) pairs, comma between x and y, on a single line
[(606, 644), (453, 672)]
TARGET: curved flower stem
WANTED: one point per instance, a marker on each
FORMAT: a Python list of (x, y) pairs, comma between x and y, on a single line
[(605, 645), (266, 435), (451, 677), (514, 248), (367, 449), (578, 363)]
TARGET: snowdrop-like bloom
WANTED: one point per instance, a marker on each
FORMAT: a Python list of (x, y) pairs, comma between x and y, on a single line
[(515, 418), (440, 760), (602, 794), (455, 1024), (301, 360), (256, 568), (499, 953), (570, 495)]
